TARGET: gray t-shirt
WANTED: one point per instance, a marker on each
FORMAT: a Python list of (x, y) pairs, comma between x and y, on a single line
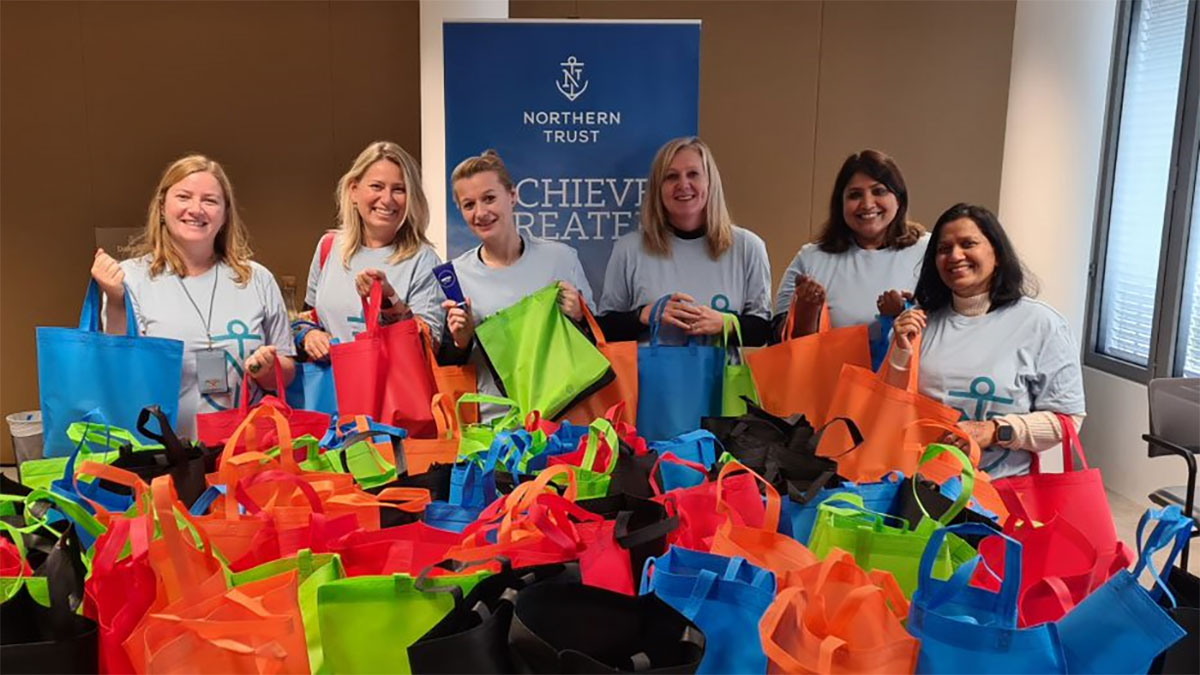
[(739, 281), (332, 293), (1014, 360), (244, 318), (853, 279), (491, 289)]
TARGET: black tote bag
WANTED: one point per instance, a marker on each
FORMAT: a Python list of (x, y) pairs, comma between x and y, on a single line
[(1183, 656), (186, 463)]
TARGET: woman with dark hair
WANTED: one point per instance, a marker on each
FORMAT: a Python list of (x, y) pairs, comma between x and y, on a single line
[(1007, 362), (865, 261)]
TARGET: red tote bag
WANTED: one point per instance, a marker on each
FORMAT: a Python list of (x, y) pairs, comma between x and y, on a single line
[(216, 428), (883, 414), (800, 375), (384, 373)]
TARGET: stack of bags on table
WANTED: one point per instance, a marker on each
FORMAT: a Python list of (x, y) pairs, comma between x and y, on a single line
[(666, 523)]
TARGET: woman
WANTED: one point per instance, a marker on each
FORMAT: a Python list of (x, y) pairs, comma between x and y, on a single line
[(192, 279), (689, 249), (1006, 361), (864, 264), (382, 218), (504, 268)]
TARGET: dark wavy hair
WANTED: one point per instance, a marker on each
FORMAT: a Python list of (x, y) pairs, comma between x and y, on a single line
[(1010, 281), (836, 235)]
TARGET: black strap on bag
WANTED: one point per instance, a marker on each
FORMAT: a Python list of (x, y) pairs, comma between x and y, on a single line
[(473, 637), (640, 525), (574, 628), (186, 463), (54, 639)]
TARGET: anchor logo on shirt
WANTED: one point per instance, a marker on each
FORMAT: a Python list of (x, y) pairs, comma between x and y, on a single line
[(360, 319), (982, 391), (239, 331)]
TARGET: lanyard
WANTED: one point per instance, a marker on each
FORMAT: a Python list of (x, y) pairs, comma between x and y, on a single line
[(211, 301)]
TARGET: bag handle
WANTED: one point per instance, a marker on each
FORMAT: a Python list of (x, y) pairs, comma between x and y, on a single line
[(372, 306), (672, 458), (656, 312), (855, 508), (1070, 445), (89, 316), (601, 427), (932, 452), (1173, 529), (824, 323), (934, 592), (511, 420), (593, 325), (179, 579), (774, 503), (177, 456), (974, 452), (287, 452), (788, 599), (280, 388)]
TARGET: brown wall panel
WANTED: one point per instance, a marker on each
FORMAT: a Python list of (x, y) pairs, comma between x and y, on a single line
[(99, 97)]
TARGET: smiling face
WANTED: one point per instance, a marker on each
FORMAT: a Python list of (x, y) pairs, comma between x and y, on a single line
[(868, 207), (381, 197), (194, 210), (966, 260), (486, 205), (684, 190)]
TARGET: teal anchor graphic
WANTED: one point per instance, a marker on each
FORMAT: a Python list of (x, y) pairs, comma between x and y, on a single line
[(720, 302), (982, 390), (360, 319), (239, 332)]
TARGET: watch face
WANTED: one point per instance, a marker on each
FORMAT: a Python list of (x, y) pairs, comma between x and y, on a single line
[(1004, 432)]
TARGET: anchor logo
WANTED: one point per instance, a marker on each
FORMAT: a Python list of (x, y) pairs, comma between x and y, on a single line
[(572, 85)]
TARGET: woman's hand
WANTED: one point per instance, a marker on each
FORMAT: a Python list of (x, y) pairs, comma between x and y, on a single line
[(109, 276), (570, 301), (807, 302), (316, 345), (261, 364), (681, 311), (708, 322), (983, 433), (891, 303), (459, 322), (809, 292), (908, 327)]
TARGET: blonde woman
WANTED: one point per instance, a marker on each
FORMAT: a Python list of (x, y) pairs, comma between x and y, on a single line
[(687, 248), (192, 279), (505, 267), (382, 218)]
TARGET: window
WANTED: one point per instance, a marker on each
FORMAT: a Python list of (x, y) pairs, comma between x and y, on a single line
[(1144, 321)]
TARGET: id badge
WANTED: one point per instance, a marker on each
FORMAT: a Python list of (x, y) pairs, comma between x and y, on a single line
[(211, 371)]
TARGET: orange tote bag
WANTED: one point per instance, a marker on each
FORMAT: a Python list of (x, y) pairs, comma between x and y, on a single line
[(624, 388), (451, 381), (883, 414), (800, 375)]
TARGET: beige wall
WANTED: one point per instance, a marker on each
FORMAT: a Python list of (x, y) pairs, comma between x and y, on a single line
[(789, 89), (98, 97)]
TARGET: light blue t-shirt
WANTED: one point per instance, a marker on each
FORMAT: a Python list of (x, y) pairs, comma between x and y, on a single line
[(491, 289), (244, 318), (853, 279), (332, 293), (1015, 360)]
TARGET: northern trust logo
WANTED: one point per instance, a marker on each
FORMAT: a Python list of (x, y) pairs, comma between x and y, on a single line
[(571, 124), (572, 85)]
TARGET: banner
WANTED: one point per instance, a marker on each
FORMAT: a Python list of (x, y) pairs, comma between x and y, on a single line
[(577, 110)]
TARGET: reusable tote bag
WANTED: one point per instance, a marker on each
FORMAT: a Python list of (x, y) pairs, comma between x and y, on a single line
[(542, 360), (677, 385), (451, 381), (964, 629), (799, 375), (313, 388), (384, 373), (883, 414), (737, 384), (623, 356), (82, 369)]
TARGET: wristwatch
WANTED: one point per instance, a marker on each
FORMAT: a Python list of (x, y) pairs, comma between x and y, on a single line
[(1004, 431)]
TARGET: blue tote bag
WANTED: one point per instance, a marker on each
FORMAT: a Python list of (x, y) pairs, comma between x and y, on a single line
[(312, 388), (799, 516), (699, 446), (472, 488), (677, 384), (1120, 627), (725, 597), (965, 629), (83, 369)]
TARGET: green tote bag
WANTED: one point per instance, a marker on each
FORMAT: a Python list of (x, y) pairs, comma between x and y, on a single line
[(879, 541), (738, 381), (541, 359)]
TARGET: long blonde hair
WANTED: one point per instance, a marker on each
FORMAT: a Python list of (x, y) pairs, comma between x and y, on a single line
[(232, 245), (656, 230), (408, 240)]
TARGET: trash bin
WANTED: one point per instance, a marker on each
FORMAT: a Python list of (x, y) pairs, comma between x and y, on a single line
[(26, 431)]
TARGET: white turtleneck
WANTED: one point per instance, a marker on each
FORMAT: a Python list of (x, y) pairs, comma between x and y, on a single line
[(1033, 431)]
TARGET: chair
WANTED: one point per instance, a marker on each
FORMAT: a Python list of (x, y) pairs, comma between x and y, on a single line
[(1175, 430)]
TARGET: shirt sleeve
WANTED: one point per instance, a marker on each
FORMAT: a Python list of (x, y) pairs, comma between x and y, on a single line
[(578, 278), (424, 296), (758, 281), (617, 296), (1058, 383), (787, 286), (314, 276), (277, 328)]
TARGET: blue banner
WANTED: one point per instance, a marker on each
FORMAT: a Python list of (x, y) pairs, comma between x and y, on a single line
[(577, 111)]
